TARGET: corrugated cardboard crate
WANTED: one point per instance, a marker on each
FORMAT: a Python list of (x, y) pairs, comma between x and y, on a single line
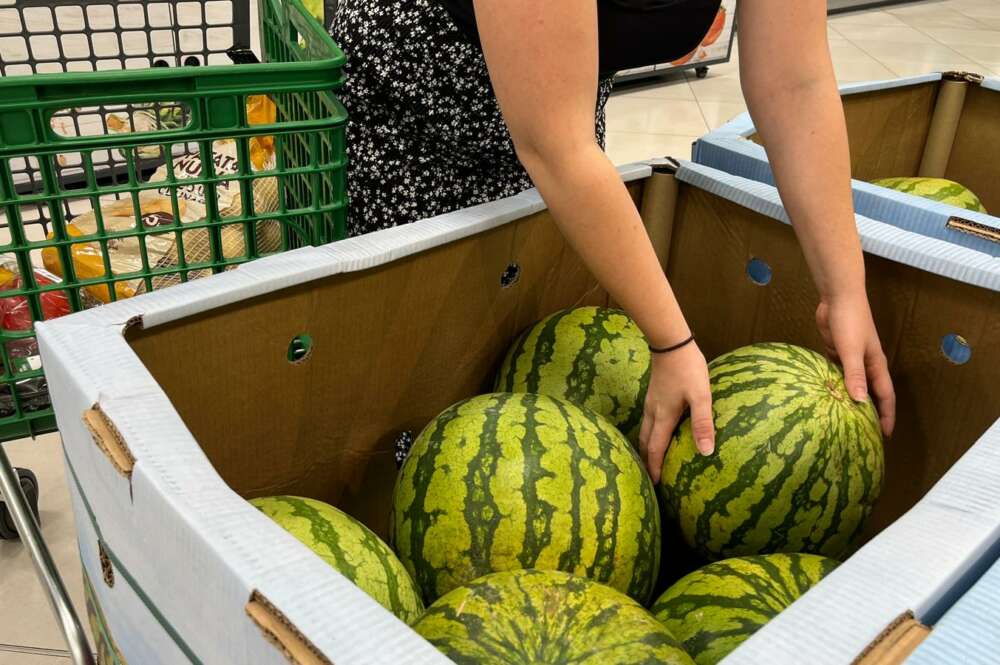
[(193, 406), (934, 125)]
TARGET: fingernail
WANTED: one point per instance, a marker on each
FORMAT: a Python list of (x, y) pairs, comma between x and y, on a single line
[(706, 447), (860, 396)]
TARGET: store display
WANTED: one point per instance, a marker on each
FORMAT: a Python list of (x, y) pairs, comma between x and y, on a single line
[(595, 357), (513, 481), (532, 617), (798, 463), (714, 48), (712, 36), (349, 547), (716, 608), (935, 189)]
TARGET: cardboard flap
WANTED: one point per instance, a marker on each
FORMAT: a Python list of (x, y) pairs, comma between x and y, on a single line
[(282, 633), (895, 644), (974, 228), (109, 440)]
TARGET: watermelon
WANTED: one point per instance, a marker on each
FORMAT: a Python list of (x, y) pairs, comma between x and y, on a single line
[(798, 463), (714, 609), (515, 481), (935, 189), (350, 547), (592, 356), (531, 617)]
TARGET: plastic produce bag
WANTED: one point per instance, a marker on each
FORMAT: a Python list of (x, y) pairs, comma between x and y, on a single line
[(15, 316)]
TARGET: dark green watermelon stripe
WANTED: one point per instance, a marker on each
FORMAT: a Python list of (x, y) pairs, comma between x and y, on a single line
[(540, 354), (570, 559), (482, 514), (419, 471), (506, 378), (538, 513), (321, 531), (373, 545), (580, 380), (754, 514)]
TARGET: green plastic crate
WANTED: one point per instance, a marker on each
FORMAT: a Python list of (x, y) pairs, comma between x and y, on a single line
[(60, 157)]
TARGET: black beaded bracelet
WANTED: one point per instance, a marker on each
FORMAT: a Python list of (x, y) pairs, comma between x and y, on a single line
[(668, 349)]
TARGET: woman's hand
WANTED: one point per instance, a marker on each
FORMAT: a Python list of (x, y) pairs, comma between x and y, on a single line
[(679, 380), (851, 339)]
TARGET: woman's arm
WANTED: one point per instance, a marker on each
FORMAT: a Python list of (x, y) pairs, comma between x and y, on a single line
[(791, 90), (543, 60)]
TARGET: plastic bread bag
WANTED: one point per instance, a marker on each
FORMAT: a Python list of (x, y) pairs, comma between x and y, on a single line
[(156, 209)]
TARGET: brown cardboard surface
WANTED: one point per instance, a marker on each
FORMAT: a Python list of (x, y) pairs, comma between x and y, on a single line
[(942, 408), (895, 644), (392, 347), (944, 125), (975, 155), (887, 130)]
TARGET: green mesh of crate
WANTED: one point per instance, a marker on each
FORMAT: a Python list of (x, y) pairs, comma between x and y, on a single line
[(50, 172)]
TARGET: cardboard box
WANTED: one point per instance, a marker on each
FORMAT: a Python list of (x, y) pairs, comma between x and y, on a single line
[(177, 405), (935, 125)]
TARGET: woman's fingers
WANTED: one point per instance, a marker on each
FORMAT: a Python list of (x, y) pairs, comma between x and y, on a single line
[(647, 426), (853, 360), (659, 439), (885, 394), (702, 424)]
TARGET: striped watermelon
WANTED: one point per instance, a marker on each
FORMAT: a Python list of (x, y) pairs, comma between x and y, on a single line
[(592, 356), (935, 189), (514, 481), (714, 609), (531, 617), (350, 547), (798, 463)]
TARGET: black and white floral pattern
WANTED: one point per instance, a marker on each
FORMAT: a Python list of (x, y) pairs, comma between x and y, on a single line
[(426, 135)]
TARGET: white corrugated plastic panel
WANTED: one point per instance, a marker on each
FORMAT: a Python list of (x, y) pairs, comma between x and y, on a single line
[(969, 632)]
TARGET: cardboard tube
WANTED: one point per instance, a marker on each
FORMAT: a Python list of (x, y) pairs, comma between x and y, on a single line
[(659, 198), (944, 127)]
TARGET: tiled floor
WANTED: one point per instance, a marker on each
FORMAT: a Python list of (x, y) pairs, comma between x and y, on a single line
[(649, 120), (915, 38)]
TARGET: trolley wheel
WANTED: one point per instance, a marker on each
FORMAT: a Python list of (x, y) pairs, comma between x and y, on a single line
[(701, 72), (29, 485)]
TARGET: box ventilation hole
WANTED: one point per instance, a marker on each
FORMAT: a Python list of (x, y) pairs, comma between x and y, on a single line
[(956, 349), (759, 272), (299, 349)]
